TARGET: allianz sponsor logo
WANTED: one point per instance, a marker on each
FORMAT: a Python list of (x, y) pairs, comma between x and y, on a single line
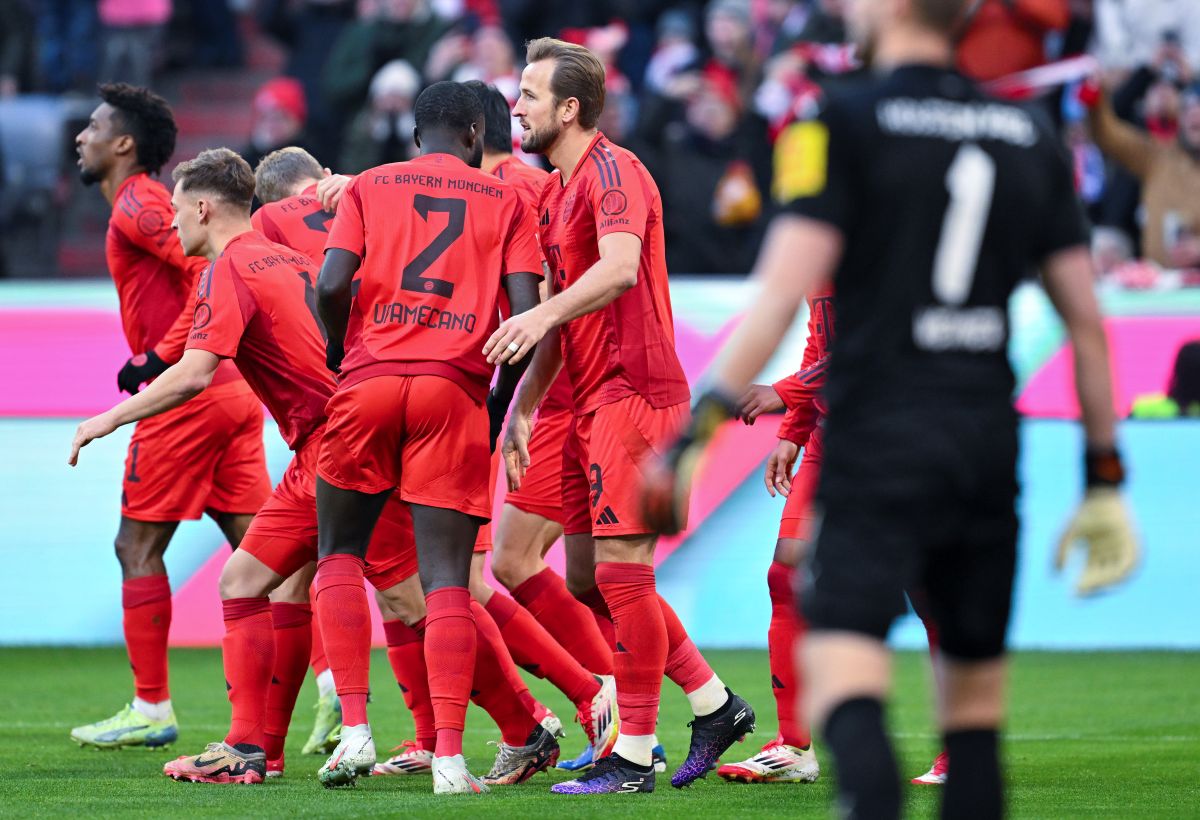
[(956, 121), (959, 330)]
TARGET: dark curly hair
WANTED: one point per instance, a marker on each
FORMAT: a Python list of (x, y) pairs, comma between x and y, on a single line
[(147, 118), (447, 106), (497, 135)]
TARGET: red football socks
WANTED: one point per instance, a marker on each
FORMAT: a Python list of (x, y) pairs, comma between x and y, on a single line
[(785, 630), (316, 659), (546, 598), (497, 685), (534, 649), (345, 620), (641, 655), (685, 665), (248, 651), (293, 645), (406, 654), (594, 601), (450, 658), (147, 607)]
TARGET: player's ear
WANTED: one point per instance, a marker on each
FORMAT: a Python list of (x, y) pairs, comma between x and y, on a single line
[(417, 137), (124, 145), (569, 110)]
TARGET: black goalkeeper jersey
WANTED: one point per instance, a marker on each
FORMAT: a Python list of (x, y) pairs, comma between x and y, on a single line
[(946, 198)]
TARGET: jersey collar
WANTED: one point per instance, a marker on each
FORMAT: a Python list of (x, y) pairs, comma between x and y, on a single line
[(575, 171)]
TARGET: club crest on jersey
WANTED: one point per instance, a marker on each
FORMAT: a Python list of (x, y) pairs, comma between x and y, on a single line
[(567, 207), (801, 161), (613, 202), (201, 316)]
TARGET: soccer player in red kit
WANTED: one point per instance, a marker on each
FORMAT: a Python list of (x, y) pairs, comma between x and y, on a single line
[(601, 230), (251, 308), (287, 183), (580, 666), (435, 239), (206, 457)]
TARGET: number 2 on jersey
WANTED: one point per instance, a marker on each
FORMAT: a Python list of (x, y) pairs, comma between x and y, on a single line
[(970, 180), (456, 211)]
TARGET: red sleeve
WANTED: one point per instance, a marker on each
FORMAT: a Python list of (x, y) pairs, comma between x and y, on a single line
[(618, 197), (522, 252), (149, 228), (797, 426), (170, 347), (348, 232), (224, 306)]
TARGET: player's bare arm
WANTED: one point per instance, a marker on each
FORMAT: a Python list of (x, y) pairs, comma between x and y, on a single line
[(524, 294), (543, 369), (783, 285), (333, 300), (180, 382), (1101, 523), (613, 274)]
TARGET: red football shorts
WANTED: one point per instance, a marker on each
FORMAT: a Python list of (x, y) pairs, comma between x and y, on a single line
[(283, 535), (798, 514), (206, 454), (420, 434), (483, 541), (602, 465), (541, 488)]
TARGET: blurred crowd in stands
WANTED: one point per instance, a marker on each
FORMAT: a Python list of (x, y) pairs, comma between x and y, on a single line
[(698, 89)]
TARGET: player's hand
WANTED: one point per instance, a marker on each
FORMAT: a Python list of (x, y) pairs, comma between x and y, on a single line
[(496, 413), (667, 480), (139, 370), (515, 337), (334, 353), (516, 450), (758, 399), (92, 429), (330, 189), (1102, 526), (780, 464)]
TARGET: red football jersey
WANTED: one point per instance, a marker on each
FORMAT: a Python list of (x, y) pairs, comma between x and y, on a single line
[(628, 346), (801, 392), (256, 305), (437, 238), (298, 222), (153, 277), (529, 182)]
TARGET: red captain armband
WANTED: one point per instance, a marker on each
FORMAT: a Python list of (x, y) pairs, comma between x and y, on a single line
[(1103, 467)]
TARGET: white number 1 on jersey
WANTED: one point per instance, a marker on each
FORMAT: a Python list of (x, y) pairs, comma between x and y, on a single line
[(970, 180)]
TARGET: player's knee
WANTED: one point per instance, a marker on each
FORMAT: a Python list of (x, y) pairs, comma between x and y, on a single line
[(135, 555), (507, 568)]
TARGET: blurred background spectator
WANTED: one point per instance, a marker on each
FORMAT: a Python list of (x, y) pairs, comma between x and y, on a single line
[(699, 88), (131, 35), (17, 57), (383, 130), (280, 111)]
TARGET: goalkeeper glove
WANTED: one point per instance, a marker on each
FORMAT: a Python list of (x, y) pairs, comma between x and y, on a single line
[(139, 370), (668, 479), (1102, 525)]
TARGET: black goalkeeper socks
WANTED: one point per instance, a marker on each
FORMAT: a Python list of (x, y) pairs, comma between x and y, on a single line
[(867, 778), (973, 786)]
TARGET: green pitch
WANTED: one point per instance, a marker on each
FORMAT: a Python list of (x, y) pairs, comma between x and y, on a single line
[(1102, 734)]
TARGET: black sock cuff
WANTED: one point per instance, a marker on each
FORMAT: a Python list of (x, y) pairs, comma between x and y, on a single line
[(970, 739), (852, 712)]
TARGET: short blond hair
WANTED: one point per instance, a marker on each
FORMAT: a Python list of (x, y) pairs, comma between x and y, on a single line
[(218, 171), (279, 172), (577, 73)]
